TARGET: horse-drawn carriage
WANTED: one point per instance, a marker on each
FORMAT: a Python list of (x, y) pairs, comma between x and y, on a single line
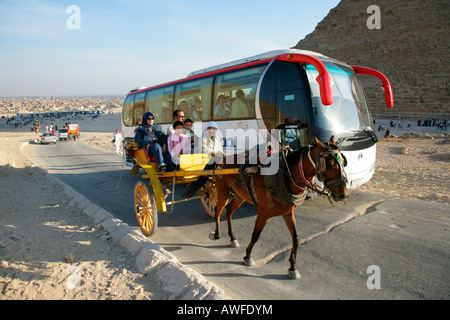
[(157, 195), (228, 186)]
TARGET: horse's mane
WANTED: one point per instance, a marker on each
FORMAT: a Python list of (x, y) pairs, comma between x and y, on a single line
[(294, 157)]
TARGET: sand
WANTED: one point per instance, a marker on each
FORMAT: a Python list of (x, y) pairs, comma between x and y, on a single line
[(50, 251)]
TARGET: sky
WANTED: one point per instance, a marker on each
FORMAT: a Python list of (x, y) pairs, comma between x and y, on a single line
[(47, 48)]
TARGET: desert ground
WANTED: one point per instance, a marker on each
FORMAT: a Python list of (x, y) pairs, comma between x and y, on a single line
[(49, 251)]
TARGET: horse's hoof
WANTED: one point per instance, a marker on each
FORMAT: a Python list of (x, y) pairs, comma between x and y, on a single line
[(234, 243), (294, 274), (212, 236), (249, 262)]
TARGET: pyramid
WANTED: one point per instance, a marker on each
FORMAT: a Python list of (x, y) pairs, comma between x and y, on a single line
[(411, 48)]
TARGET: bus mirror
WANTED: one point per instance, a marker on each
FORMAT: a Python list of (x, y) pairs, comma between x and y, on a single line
[(388, 95), (324, 78), (326, 90)]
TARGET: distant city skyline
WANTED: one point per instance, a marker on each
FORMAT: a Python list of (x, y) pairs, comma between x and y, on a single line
[(104, 48)]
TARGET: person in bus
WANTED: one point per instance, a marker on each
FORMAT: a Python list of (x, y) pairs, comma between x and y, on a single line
[(239, 108), (178, 143), (221, 111), (211, 143), (196, 110), (178, 115), (150, 136)]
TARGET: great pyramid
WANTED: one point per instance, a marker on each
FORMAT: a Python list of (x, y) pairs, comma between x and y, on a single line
[(411, 48)]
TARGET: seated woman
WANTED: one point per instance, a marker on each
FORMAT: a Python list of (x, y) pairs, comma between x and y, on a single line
[(151, 136)]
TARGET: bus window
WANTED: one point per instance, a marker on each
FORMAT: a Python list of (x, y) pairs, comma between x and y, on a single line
[(267, 98), (194, 98), (291, 97), (160, 103), (283, 95), (349, 113), (238, 90), (139, 108), (128, 111)]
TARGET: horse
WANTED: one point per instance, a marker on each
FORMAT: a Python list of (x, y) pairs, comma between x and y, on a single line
[(296, 173)]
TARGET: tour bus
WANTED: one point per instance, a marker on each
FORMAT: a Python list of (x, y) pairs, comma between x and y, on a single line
[(250, 98)]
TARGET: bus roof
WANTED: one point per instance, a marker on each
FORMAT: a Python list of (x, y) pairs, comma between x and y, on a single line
[(259, 57), (230, 65)]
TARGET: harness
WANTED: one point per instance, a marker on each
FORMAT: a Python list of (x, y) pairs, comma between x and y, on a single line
[(278, 184)]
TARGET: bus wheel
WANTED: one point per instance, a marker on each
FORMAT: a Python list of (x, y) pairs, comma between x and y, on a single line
[(145, 208), (209, 197)]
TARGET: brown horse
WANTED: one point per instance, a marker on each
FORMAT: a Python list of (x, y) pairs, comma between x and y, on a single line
[(323, 160)]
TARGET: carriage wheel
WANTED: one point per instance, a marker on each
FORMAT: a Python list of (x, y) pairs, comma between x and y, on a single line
[(145, 208), (209, 197)]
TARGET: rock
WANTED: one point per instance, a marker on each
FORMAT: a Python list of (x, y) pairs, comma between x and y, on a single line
[(69, 258), (393, 50), (405, 151)]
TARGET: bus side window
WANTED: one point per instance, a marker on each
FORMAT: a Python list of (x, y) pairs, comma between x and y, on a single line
[(194, 98), (238, 89), (127, 112), (139, 108), (160, 103)]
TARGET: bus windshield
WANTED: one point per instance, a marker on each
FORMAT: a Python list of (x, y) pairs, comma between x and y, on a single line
[(348, 116)]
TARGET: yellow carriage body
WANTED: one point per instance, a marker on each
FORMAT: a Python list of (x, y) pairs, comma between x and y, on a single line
[(191, 166)]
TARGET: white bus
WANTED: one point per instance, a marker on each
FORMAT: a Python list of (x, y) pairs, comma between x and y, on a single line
[(321, 93)]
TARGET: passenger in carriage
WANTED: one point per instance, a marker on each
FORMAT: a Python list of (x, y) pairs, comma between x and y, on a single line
[(189, 132), (178, 143), (211, 143), (178, 115), (150, 136)]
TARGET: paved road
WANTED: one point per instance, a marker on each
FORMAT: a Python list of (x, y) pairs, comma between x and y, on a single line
[(400, 246)]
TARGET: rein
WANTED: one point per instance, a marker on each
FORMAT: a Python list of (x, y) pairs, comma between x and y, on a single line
[(304, 181)]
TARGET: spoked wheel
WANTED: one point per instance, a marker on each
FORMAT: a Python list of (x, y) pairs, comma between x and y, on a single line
[(145, 208), (209, 197)]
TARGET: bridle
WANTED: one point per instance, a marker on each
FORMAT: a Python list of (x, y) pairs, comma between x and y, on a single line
[(320, 167)]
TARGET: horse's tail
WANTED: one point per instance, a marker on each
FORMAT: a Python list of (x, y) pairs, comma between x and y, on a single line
[(196, 185)]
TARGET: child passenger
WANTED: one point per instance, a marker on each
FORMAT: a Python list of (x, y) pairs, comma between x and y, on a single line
[(178, 143), (189, 132)]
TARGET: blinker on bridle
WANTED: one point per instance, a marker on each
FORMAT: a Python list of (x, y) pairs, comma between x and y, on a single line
[(320, 166)]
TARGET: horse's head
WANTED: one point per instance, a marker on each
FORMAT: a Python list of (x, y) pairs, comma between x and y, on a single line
[(329, 165)]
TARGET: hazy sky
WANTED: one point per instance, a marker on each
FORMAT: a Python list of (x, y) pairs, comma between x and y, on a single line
[(115, 46)]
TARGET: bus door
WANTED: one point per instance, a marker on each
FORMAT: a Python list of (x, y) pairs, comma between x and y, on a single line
[(291, 104)]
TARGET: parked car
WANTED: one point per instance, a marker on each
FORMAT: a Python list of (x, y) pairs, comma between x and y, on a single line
[(48, 137), (62, 134)]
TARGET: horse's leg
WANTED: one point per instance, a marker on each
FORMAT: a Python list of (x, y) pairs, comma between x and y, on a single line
[(223, 192), (259, 226), (231, 208), (290, 223)]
